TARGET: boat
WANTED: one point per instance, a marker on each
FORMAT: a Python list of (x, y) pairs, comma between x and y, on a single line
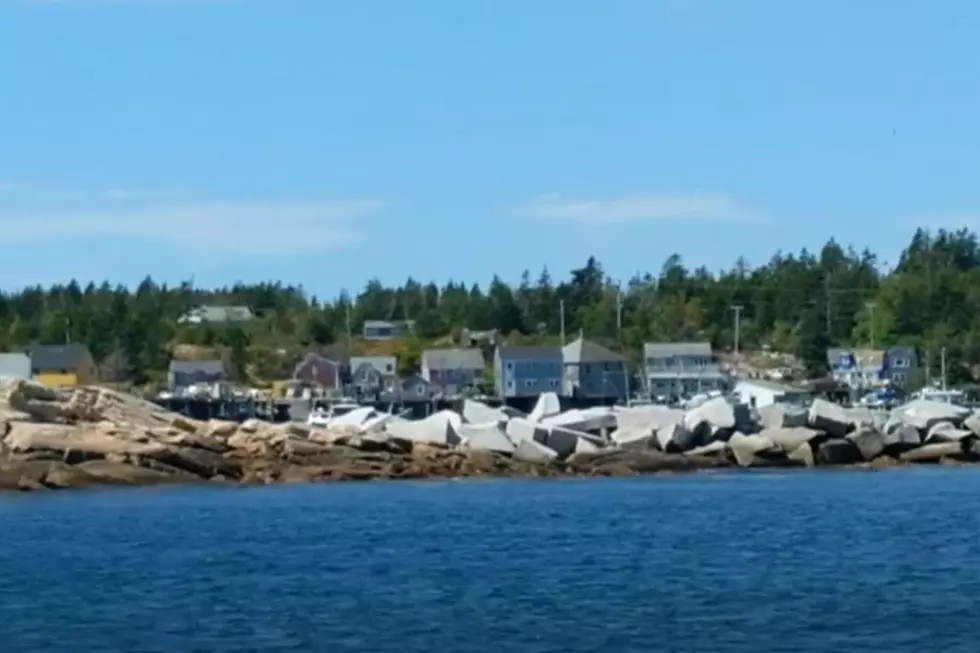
[(321, 417)]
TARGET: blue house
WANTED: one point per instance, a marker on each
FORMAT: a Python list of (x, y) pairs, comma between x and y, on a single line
[(527, 371), (594, 372), (901, 363), (858, 368)]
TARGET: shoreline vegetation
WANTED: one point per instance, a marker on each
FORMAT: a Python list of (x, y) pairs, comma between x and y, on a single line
[(796, 304), (91, 436)]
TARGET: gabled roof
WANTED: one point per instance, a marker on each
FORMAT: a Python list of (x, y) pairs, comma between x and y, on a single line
[(834, 354), (666, 349), (213, 367), (214, 313), (586, 351), (379, 363), (452, 359), (869, 357), (521, 352), (57, 357)]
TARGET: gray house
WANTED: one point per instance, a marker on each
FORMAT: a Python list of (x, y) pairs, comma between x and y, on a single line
[(592, 371), (216, 315), (900, 365), (386, 330), (411, 388), (452, 370), (527, 371), (183, 374), (676, 369), (373, 373)]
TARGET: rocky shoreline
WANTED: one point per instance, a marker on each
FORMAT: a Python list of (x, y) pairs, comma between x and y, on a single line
[(92, 437)]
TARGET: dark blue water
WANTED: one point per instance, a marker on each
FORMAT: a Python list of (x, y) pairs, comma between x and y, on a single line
[(743, 563)]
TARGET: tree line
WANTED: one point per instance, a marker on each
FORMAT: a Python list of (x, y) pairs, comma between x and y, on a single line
[(799, 303)]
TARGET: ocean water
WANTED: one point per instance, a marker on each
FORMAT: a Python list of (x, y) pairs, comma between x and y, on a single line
[(747, 563)]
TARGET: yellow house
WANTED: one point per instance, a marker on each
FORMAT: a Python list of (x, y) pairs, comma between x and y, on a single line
[(62, 366)]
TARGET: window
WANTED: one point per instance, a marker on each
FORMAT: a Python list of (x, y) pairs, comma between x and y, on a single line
[(586, 368), (900, 362), (899, 377), (510, 366), (389, 368), (530, 383), (510, 384)]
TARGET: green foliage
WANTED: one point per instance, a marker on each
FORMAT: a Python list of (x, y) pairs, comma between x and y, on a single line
[(798, 303)]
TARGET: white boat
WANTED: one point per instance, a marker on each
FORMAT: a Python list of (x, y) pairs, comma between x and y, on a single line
[(321, 418), (937, 394)]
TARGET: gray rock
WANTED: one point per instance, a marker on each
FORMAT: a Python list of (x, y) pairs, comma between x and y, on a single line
[(714, 448), (803, 454), (790, 439), (531, 451), (746, 448), (869, 441), (490, 437), (715, 417), (923, 414), (838, 451), (946, 431), (933, 452), (899, 436), (829, 418), (774, 416)]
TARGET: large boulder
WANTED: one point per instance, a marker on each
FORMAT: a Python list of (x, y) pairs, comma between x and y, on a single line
[(869, 441), (829, 418), (838, 451), (946, 431), (923, 414), (772, 416), (488, 436), (746, 449), (712, 420), (789, 439)]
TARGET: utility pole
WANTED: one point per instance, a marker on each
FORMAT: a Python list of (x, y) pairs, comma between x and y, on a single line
[(349, 335), (619, 313), (826, 301), (942, 366), (871, 313), (561, 318), (738, 325)]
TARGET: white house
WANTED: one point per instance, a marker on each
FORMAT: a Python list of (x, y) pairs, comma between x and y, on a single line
[(760, 392)]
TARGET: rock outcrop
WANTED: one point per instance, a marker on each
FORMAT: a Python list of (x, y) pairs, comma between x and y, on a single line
[(94, 436)]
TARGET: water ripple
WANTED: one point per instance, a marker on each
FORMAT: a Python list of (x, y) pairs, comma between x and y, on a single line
[(808, 562)]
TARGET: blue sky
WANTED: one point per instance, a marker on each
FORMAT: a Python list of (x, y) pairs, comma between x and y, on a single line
[(327, 142)]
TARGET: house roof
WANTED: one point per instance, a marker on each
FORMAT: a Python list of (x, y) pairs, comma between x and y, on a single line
[(336, 353), (665, 349), (586, 351), (219, 314), (452, 359), (388, 323), (521, 352), (380, 363), (197, 367), (834, 354), (57, 357), (869, 357)]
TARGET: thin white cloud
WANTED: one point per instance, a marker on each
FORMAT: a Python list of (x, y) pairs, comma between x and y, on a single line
[(227, 227), (636, 208)]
